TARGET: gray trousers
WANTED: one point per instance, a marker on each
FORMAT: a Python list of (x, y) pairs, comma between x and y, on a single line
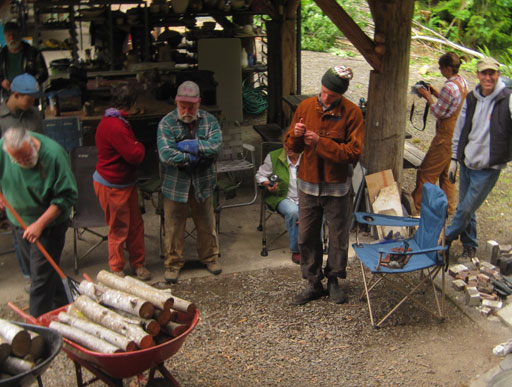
[(46, 288), (338, 215)]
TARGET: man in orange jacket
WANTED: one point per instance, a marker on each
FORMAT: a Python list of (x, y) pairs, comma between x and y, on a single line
[(329, 130)]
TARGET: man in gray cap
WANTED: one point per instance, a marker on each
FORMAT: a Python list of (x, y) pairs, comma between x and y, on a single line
[(19, 110), (189, 140), (482, 146), (18, 57), (329, 130)]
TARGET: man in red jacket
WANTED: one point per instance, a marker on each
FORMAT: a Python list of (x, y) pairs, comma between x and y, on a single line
[(119, 153), (329, 130)]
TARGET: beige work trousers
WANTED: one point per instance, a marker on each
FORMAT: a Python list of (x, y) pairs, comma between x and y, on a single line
[(175, 221)]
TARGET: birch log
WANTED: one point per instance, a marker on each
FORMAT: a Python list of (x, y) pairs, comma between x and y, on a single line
[(175, 329), (75, 312), (179, 303), (5, 349), (158, 299), (14, 365), (109, 319), (83, 338), (117, 299), (16, 336), (151, 326), (99, 331), (163, 316), (37, 345)]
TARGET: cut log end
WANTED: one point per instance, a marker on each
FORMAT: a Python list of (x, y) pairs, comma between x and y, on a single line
[(147, 310), (21, 343), (163, 316), (147, 342)]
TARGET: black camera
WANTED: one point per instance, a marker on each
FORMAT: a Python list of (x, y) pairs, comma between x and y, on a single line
[(419, 85), (273, 179), (422, 84)]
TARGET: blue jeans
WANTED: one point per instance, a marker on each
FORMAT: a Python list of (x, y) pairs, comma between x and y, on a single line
[(290, 211), (474, 187)]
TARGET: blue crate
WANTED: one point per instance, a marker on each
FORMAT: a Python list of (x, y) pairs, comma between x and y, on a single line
[(66, 131)]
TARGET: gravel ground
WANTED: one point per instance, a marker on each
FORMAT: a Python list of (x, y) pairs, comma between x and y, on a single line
[(249, 335)]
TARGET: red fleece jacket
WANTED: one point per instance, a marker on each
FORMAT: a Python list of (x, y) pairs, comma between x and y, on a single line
[(119, 152)]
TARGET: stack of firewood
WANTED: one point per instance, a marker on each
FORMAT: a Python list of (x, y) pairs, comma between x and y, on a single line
[(123, 314), (20, 349)]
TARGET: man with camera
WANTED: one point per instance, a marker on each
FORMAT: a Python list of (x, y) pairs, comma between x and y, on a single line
[(482, 146), (278, 174), (446, 110), (329, 130)]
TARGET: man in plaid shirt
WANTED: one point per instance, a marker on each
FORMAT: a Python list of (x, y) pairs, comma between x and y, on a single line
[(446, 110), (189, 140)]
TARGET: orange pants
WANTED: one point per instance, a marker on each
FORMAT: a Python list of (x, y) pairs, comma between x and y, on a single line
[(125, 225), (435, 165)]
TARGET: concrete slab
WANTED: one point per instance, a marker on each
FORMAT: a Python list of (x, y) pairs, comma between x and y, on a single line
[(505, 315)]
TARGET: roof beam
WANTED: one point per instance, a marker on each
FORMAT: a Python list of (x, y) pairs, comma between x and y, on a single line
[(352, 32)]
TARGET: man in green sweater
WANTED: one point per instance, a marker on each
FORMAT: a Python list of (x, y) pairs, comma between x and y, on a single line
[(37, 181)]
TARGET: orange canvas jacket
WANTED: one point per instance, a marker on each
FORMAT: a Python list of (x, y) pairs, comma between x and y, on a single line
[(341, 132)]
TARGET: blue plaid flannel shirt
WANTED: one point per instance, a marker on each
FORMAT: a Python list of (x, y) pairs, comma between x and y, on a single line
[(176, 183)]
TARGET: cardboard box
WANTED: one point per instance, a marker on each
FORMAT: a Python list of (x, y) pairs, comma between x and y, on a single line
[(376, 181)]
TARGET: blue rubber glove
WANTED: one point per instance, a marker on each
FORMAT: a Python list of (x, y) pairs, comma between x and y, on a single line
[(189, 146), (193, 159)]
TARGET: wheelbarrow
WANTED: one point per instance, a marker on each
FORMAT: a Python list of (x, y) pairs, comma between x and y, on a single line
[(113, 368), (52, 344)]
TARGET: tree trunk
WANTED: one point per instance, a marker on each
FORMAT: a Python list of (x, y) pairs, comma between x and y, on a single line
[(281, 68), (83, 338), (111, 320), (16, 336), (387, 95), (117, 299), (99, 331), (157, 298)]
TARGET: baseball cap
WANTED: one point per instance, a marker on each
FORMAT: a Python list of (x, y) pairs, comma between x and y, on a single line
[(26, 84), (488, 64), (188, 91)]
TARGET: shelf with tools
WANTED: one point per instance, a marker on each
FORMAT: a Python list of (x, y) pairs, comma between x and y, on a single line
[(50, 16)]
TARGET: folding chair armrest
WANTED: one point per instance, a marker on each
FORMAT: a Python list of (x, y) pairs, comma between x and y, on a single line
[(413, 252), (249, 147), (385, 220)]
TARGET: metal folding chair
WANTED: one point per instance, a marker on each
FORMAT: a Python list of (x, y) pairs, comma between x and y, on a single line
[(393, 263), (265, 211), (235, 160), (87, 212)]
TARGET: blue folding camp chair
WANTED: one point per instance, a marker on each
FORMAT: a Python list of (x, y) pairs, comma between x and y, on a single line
[(392, 262)]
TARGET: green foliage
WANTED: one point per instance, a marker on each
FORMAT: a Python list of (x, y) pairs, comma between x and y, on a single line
[(470, 22), (318, 32)]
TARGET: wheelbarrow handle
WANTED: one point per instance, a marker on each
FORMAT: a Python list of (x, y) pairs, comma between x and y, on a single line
[(27, 317), (38, 244)]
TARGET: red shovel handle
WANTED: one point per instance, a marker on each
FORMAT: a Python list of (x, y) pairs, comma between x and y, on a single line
[(38, 244)]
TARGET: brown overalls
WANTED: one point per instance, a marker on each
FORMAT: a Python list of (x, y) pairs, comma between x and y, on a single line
[(437, 160)]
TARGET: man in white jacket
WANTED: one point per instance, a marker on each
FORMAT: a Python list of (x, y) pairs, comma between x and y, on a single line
[(482, 146)]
